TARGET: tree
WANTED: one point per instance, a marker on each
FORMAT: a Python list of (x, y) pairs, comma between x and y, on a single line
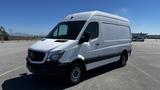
[(3, 34)]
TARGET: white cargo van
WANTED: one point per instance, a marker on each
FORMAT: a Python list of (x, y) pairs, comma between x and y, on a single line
[(81, 42)]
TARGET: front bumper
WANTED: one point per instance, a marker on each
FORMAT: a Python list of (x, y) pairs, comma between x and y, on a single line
[(48, 68)]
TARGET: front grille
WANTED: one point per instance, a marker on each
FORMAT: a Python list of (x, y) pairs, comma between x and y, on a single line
[(36, 55)]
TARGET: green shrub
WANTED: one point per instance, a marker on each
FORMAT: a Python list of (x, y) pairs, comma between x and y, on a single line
[(3, 34)]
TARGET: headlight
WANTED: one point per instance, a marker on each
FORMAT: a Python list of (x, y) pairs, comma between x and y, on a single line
[(55, 56)]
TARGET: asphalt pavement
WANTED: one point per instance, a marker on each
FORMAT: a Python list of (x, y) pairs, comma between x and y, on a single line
[(142, 71)]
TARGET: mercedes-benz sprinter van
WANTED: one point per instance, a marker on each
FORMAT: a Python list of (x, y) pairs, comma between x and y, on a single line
[(81, 42)]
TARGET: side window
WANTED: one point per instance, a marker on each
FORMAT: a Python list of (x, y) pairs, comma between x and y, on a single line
[(92, 28)]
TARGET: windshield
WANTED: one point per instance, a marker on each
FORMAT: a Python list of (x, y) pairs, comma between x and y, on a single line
[(66, 30)]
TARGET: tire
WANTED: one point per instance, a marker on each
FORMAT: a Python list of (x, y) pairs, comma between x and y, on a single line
[(123, 60), (76, 74)]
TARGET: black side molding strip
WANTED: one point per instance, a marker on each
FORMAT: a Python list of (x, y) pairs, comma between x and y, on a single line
[(100, 58)]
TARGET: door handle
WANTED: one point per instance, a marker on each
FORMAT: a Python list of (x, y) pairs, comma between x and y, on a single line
[(97, 44)]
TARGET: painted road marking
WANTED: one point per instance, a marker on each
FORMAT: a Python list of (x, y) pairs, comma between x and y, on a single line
[(11, 70), (139, 69)]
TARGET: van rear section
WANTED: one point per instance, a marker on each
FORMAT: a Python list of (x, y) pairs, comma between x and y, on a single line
[(81, 42)]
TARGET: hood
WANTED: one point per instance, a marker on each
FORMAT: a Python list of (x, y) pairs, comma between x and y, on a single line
[(48, 44)]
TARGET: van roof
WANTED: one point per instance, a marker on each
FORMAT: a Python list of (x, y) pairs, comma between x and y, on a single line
[(90, 14)]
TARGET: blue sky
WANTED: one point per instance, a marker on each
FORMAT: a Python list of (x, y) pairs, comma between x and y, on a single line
[(40, 16)]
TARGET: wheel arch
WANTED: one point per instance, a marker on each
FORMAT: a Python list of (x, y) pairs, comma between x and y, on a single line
[(79, 61)]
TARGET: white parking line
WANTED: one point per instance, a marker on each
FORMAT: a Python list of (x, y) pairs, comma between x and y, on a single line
[(139, 69), (11, 70)]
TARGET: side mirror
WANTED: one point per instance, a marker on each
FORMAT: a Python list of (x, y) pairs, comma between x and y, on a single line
[(85, 38)]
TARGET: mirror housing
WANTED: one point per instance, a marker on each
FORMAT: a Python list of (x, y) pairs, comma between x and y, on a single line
[(85, 38)]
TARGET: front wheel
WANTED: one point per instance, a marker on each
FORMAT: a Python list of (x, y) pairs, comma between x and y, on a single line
[(76, 74)]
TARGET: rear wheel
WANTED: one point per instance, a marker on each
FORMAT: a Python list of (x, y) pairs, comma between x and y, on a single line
[(123, 60)]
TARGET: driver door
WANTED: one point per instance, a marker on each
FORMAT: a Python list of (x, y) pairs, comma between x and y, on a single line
[(90, 49)]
